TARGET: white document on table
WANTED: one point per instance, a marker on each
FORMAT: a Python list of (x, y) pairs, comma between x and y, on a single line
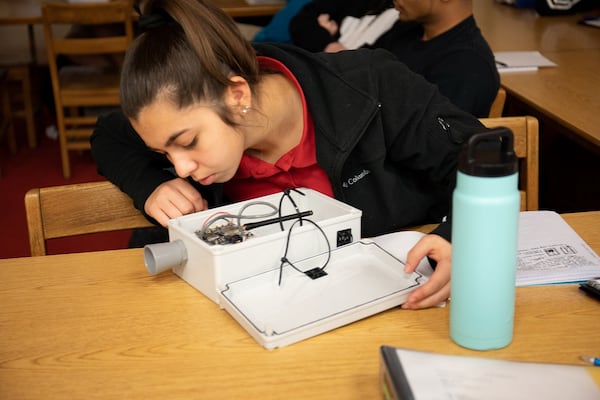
[(521, 61), (549, 250)]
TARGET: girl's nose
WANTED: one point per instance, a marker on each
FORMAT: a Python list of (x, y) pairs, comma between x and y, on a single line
[(184, 166)]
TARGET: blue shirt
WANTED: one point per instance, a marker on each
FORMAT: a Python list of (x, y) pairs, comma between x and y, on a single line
[(277, 30)]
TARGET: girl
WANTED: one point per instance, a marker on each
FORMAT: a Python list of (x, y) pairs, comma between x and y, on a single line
[(207, 119)]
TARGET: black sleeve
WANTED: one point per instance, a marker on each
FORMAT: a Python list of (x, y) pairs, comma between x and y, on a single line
[(444, 230), (305, 31), (122, 157)]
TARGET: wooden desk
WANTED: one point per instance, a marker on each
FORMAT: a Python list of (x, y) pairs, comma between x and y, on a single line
[(240, 8), (566, 95), (96, 325), (18, 12), (28, 13), (509, 28)]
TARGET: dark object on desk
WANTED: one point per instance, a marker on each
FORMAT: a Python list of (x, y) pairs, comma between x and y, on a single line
[(590, 20), (394, 383), (591, 287), (564, 7), (518, 3)]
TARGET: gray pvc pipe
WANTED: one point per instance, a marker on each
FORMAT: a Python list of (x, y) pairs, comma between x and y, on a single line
[(162, 256)]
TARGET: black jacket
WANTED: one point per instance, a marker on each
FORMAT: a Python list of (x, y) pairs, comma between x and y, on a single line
[(387, 139)]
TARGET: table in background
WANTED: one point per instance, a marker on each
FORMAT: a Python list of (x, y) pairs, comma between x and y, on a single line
[(565, 99), (508, 28), (240, 8), (96, 325), (27, 13), (567, 94)]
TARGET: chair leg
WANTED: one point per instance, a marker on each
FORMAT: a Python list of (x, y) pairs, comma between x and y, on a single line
[(8, 124), (62, 138), (66, 164), (29, 110), (22, 75)]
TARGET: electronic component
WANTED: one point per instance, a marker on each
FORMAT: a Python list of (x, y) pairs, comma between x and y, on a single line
[(228, 233), (231, 233), (344, 237)]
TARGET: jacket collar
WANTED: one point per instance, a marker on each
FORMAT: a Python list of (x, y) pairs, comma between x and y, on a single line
[(339, 109)]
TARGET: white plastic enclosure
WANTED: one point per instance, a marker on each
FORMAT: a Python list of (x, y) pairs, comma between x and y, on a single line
[(209, 268)]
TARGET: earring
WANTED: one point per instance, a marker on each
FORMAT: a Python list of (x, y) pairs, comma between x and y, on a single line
[(245, 110)]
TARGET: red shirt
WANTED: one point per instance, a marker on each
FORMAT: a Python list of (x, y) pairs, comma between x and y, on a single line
[(296, 168)]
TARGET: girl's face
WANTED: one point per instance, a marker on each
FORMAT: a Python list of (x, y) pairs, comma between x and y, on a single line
[(195, 139)]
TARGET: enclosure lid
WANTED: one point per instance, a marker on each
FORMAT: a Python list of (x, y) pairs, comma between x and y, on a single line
[(361, 279)]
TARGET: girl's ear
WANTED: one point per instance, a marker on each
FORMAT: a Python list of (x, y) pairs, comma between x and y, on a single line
[(238, 95)]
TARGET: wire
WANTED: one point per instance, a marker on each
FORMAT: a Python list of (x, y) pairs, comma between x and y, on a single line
[(225, 215), (285, 260), (286, 193)]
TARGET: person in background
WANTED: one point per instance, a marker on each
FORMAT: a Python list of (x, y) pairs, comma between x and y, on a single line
[(316, 27), (207, 119), (438, 39), (277, 30)]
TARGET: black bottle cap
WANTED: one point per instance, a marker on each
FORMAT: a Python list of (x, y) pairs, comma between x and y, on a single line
[(489, 154)]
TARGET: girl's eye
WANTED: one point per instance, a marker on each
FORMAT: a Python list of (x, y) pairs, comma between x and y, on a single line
[(191, 144)]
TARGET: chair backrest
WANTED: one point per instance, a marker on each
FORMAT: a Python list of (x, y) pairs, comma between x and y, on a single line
[(498, 104), (526, 141), (77, 209), (55, 13), (95, 84)]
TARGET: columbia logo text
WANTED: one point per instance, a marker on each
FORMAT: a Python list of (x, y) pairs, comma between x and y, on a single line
[(352, 180)]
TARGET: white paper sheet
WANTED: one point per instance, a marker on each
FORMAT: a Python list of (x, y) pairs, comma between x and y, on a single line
[(550, 251), (436, 376), (518, 61)]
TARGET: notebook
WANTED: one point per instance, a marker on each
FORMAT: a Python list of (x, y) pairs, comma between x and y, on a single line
[(410, 374)]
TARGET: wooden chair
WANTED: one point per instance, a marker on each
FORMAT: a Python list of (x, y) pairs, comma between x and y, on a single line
[(498, 104), (526, 138), (86, 87), (77, 209)]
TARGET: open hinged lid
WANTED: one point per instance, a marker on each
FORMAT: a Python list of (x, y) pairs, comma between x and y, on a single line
[(361, 279)]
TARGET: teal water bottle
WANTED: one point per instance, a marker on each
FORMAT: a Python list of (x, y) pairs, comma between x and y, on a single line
[(485, 218)]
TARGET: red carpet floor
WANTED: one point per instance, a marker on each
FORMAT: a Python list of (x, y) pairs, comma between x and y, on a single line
[(41, 167)]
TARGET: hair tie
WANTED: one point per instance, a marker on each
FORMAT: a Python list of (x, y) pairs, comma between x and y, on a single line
[(154, 20)]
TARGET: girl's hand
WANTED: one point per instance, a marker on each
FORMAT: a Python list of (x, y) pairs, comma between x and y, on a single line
[(173, 199), (437, 288)]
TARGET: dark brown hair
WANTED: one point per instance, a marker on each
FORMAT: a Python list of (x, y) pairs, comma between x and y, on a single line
[(187, 56)]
